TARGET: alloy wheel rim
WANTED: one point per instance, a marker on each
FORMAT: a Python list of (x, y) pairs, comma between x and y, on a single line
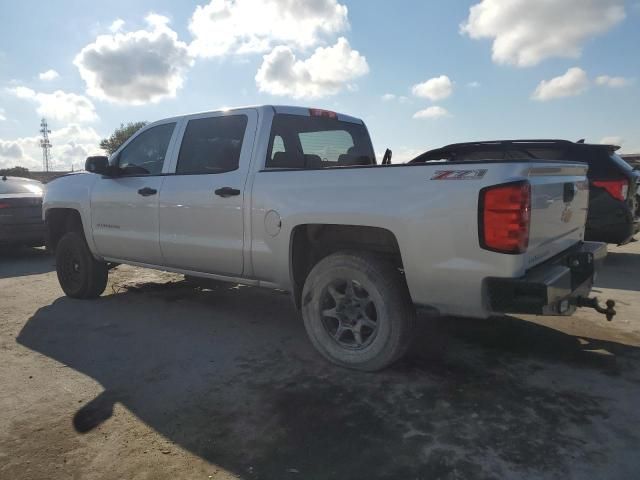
[(349, 314)]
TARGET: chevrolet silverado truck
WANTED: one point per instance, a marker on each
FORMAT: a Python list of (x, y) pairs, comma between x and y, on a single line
[(292, 198)]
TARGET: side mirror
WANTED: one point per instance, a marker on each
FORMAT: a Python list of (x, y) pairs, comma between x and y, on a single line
[(98, 164)]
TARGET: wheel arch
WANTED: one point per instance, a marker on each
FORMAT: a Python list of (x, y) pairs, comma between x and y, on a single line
[(60, 221), (311, 242)]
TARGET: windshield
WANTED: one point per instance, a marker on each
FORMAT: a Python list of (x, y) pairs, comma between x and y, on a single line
[(317, 142)]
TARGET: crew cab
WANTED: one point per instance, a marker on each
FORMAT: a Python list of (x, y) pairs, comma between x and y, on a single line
[(292, 198)]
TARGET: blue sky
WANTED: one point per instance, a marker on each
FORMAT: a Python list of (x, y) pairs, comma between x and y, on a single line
[(504, 69)]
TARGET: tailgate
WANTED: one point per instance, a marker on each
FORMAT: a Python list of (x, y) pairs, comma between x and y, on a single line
[(559, 202)]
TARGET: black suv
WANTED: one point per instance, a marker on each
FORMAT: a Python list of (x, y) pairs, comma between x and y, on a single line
[(614, 186)]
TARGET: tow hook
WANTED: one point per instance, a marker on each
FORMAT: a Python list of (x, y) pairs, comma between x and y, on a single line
[(593, 303)]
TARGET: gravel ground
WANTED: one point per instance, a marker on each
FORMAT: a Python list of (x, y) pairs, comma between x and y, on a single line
[(158, 379)]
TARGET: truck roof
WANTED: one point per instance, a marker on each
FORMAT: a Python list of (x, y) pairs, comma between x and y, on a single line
[(284, 109)]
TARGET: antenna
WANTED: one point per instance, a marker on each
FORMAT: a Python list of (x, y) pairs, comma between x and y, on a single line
[(45, 144)]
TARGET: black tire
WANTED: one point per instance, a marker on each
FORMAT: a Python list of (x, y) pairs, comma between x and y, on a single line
[(357, 311), (80, 275)]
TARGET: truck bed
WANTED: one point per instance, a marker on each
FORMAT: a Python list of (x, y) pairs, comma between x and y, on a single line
[(433, 216)]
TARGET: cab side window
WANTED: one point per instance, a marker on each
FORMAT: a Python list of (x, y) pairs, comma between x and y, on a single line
[(146, 153), (212, 145)]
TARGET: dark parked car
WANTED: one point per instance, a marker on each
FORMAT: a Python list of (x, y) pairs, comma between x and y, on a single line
[(614, 205), (21, 212)]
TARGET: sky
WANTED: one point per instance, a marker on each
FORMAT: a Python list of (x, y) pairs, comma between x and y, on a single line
[(421, 74)]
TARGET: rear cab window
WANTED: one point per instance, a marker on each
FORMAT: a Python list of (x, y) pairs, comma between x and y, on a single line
[(299, 142)]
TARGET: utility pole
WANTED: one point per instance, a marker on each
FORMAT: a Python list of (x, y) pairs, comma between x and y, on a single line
[(45, 144)]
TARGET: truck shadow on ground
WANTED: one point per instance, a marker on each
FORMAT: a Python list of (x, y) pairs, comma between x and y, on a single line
[(19, 262), (621, 272), (229, 375)]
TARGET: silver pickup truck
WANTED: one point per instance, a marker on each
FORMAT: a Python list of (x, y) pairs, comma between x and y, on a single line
[(292, 198)]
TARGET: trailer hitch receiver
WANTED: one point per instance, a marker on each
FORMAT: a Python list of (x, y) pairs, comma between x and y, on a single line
[(609, 311)]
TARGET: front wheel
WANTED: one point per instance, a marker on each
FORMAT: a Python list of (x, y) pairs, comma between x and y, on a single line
[(80, 275), (357, 311)]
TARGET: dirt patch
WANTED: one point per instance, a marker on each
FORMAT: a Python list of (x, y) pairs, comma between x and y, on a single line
[(161, 379)]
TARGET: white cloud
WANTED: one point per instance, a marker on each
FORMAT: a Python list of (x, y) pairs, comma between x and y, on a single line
[(473, 84), (48, 75), (572, 83), (526, 32), (613, 82), (116, 26), (2, 115), (391, 97), (135, 67), (76, 133), (224, 27), (431, 112), (434, 89), (71, 146), (59, 105), (612, 140), (326, 72), (10, 151)]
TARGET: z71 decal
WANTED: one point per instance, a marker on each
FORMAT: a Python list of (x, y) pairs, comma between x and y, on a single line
[(459, 174)]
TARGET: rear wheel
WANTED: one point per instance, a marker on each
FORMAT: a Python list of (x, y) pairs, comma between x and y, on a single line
[(80, 275), (357, 311)]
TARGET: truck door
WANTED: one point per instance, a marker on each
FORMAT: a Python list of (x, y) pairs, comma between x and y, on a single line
[(202, 203), (124, 209)]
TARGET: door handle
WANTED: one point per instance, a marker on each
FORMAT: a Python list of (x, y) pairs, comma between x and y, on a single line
[(146, 191), (227, 192)]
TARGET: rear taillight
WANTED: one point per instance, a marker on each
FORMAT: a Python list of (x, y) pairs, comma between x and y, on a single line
[(4, 205), (504, 217), (618, 189)]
